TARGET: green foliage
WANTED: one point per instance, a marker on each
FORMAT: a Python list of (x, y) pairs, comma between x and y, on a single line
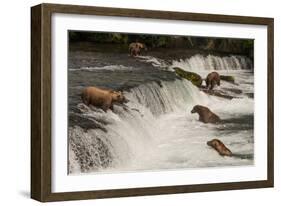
[(73, 36), (241, 46), (248, 44)]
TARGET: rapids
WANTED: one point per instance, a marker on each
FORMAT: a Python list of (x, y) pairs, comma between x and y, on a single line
[(156, 130)]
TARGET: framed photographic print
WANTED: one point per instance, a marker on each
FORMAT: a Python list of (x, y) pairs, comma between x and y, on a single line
[(132, 102)]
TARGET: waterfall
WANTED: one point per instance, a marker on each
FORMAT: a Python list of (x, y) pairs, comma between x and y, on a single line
[(129, 130), (166, 97), (155, 129), (210, 62)]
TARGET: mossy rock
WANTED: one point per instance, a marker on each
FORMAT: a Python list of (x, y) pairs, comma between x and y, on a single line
[(227, 78), (190, 76)]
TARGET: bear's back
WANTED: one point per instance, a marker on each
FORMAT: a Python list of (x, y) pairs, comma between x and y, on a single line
[(95, 96), (213, 76)]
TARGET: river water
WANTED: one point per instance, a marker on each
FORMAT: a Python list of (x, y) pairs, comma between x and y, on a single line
[(155, 130)]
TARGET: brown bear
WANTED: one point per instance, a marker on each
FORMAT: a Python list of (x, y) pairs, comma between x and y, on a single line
[(205, 114), (102, 98), (212, 79), (219, 147), (135, 48)]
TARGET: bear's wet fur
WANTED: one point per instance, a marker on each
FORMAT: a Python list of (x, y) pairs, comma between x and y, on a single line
[(219, 147), (212, 79), (102, 98), (205, 114), (135, 48)]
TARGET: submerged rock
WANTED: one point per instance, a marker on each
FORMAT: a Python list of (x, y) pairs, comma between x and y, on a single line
[(217, 93), (86, 122), (190, 76), (234, 90)]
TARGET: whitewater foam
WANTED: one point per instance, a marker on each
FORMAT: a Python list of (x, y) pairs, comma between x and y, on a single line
[(156, 130)]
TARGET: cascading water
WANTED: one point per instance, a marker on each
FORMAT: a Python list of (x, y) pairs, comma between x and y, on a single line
[(211, 62), (204, 63), (156, 130)]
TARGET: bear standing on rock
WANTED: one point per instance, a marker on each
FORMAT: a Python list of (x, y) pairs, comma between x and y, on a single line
[(205, 114), (135, 48), (212, 79), (102, 98)]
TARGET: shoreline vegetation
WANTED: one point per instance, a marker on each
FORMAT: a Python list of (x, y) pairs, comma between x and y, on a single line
[(205, 44)]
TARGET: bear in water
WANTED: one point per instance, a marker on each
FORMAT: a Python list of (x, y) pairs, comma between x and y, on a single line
[(219, 147), (102, 98), (205, 114), (135, 48), (212, 79)]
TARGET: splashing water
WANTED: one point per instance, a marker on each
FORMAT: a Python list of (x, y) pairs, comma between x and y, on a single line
[(156, 130), (211, 62)]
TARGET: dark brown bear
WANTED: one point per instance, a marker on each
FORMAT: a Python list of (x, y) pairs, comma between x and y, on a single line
[(205, 114), (219, 147), (102, 98), (212, 79)]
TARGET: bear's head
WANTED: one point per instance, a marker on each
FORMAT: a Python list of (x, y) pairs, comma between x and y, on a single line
[(220, 147), (213, 143), (195, 109), (118, 97)]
